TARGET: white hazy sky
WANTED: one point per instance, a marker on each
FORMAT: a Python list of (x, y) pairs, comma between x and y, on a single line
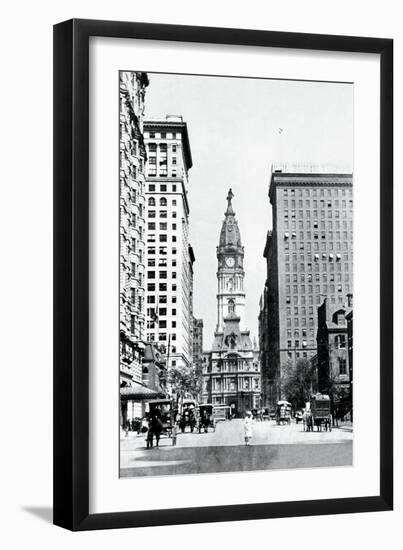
[(233, 126)]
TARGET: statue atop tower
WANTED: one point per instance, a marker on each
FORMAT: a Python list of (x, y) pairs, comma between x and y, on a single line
[(230, 236)]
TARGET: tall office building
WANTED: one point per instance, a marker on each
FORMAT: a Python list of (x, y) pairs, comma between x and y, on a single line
[(198, 349), (169, 257), (132, 229), (231, 372), (309, 256)]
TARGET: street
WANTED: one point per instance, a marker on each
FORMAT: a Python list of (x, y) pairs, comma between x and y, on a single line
[(272, 447)]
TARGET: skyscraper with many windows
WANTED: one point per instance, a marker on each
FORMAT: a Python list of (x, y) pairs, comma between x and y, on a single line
[(309, 255), (169, 257)]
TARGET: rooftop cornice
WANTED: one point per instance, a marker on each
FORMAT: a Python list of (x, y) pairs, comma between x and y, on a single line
[(174, 124), (282, 179)]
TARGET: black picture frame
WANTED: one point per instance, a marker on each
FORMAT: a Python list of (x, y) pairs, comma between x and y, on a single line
[(71, 273)]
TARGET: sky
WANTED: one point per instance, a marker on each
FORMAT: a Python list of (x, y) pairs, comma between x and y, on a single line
[(239, 127)]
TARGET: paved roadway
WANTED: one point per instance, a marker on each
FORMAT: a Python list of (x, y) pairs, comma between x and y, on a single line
[(273, 447)]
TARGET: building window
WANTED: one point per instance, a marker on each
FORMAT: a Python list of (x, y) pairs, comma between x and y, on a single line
[(163, 287), (340, 341), (151, 287), (163, 274), (163, 214), (342, 366), (151, 274), (163, 201), (151, 187), (163, 226), (163, 238), (151, 226)]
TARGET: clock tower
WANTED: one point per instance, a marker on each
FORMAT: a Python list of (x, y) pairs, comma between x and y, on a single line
[(231, 370), (230, 273)]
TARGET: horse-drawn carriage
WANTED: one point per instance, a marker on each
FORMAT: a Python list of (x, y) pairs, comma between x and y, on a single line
[(319, 413), (188, 415), (206, 417), (162, 409), (283, 412)]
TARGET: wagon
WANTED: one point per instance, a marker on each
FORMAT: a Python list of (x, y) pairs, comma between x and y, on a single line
[(221, 413), (188, 415), (320, 410)]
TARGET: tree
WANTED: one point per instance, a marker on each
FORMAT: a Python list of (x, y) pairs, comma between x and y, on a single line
[(184, 381), (299, 381)]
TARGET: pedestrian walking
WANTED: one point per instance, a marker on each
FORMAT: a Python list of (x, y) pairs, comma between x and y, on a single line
[(248, 427)]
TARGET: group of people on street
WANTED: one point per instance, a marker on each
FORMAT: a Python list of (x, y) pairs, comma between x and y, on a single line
[(152, 426)]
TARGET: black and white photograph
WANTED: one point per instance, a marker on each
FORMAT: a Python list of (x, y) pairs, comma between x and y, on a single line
[(236, 274)]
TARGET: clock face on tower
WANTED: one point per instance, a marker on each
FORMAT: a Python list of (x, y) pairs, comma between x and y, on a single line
[(230, 261)]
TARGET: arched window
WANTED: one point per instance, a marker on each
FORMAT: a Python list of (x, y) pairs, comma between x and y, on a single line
[(163, 201), (151, 201)]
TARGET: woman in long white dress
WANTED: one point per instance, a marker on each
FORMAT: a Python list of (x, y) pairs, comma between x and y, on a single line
[(247, 426)]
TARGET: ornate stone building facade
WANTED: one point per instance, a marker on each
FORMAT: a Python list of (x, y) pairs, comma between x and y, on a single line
[(132, 232), (231, 371)]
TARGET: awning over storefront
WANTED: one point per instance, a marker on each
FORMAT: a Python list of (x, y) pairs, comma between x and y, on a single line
[(139, 393)]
